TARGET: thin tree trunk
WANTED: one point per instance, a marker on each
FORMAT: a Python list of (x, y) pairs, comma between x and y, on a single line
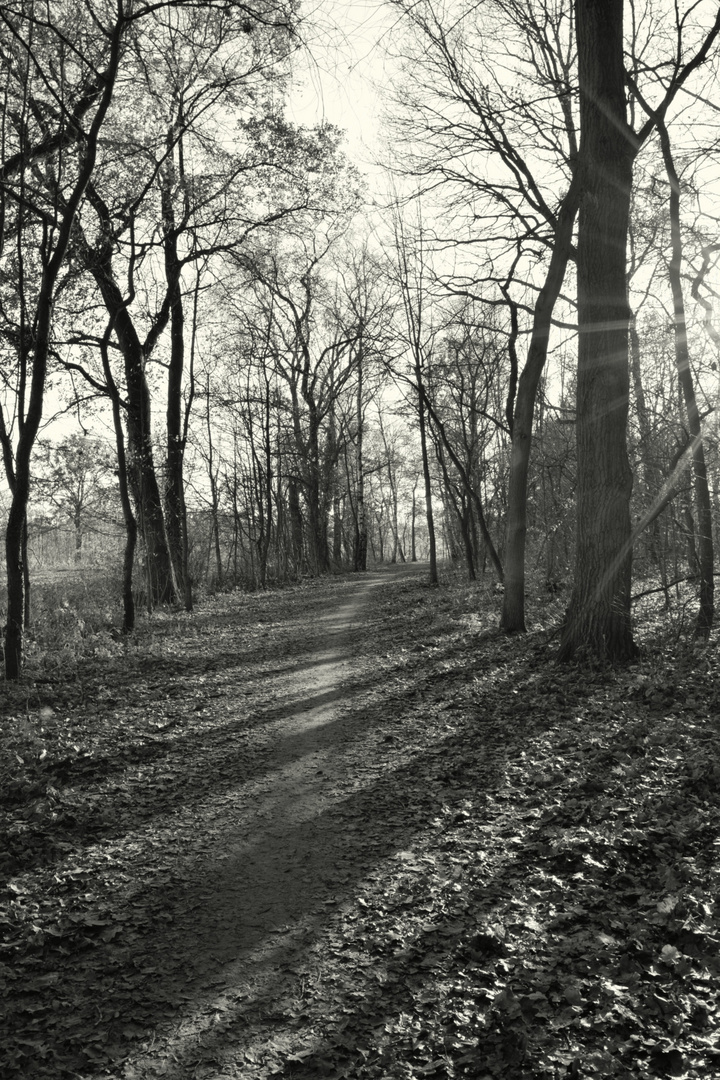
[(422, 422), (513, 610), (413, 550), (214, 497), (467, 535), (361, 538), (337, 533), (652, 474), (296, 523), (175, 510), (682, 360), (268, 485), (27, 605), (174, 486), (125, 502)]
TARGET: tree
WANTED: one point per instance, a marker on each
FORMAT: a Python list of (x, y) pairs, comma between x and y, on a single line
[(410, 272), (599, 614), (370, 306), (505, 148), (491, 125), (314, 346), (598, 618), (465, 414), (72, 478), (56, 133), (682, 360), (176, 190)]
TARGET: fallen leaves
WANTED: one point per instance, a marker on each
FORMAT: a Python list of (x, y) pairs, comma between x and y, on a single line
[(512, 869)]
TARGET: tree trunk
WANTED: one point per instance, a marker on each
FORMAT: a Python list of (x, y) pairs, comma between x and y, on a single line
[(465, 522), (296, 523), (314, 497), (15, 589), (27, 606), (337, 533), (361, 539), (703, 503), (513, 610), (175, 511), (413, 549), (267, 492), (126, 504), (130, 523), (652, 474), (214, 496), (426, 477), (174, 485), (140, 462), (598, 619)]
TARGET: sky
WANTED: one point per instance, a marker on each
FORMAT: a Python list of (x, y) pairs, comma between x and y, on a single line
[(344, 72)]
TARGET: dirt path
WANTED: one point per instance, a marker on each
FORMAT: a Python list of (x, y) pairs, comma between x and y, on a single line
[(281, 847)]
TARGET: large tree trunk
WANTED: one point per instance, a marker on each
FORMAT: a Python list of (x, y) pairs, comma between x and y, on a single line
[(598, 619), (140, 461), (513, 611)]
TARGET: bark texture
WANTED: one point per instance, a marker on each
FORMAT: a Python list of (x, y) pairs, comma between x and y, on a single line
[(598, 619)]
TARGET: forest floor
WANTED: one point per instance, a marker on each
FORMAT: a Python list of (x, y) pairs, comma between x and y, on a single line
[(348, 830)]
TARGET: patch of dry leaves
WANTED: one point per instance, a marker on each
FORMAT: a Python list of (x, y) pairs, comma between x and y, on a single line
[(528, 878)]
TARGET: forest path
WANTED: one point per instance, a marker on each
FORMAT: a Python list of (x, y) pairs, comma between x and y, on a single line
[(289, 841), (349, 831), (279, 851)]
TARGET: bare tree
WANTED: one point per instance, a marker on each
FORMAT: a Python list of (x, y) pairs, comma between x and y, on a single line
[(598, 618), (419, 336), (55, 130)]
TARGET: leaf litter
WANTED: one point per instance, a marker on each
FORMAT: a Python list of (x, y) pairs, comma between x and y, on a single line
[(348, 830)]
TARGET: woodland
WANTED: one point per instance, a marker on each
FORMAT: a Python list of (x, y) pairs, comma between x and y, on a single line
[(234, 359), (360, 713)]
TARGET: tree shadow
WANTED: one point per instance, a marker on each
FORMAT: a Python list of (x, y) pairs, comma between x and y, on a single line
[(182, 935), (200, 951)]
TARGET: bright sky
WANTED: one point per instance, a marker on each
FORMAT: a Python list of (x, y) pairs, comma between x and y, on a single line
[(343, 79)]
